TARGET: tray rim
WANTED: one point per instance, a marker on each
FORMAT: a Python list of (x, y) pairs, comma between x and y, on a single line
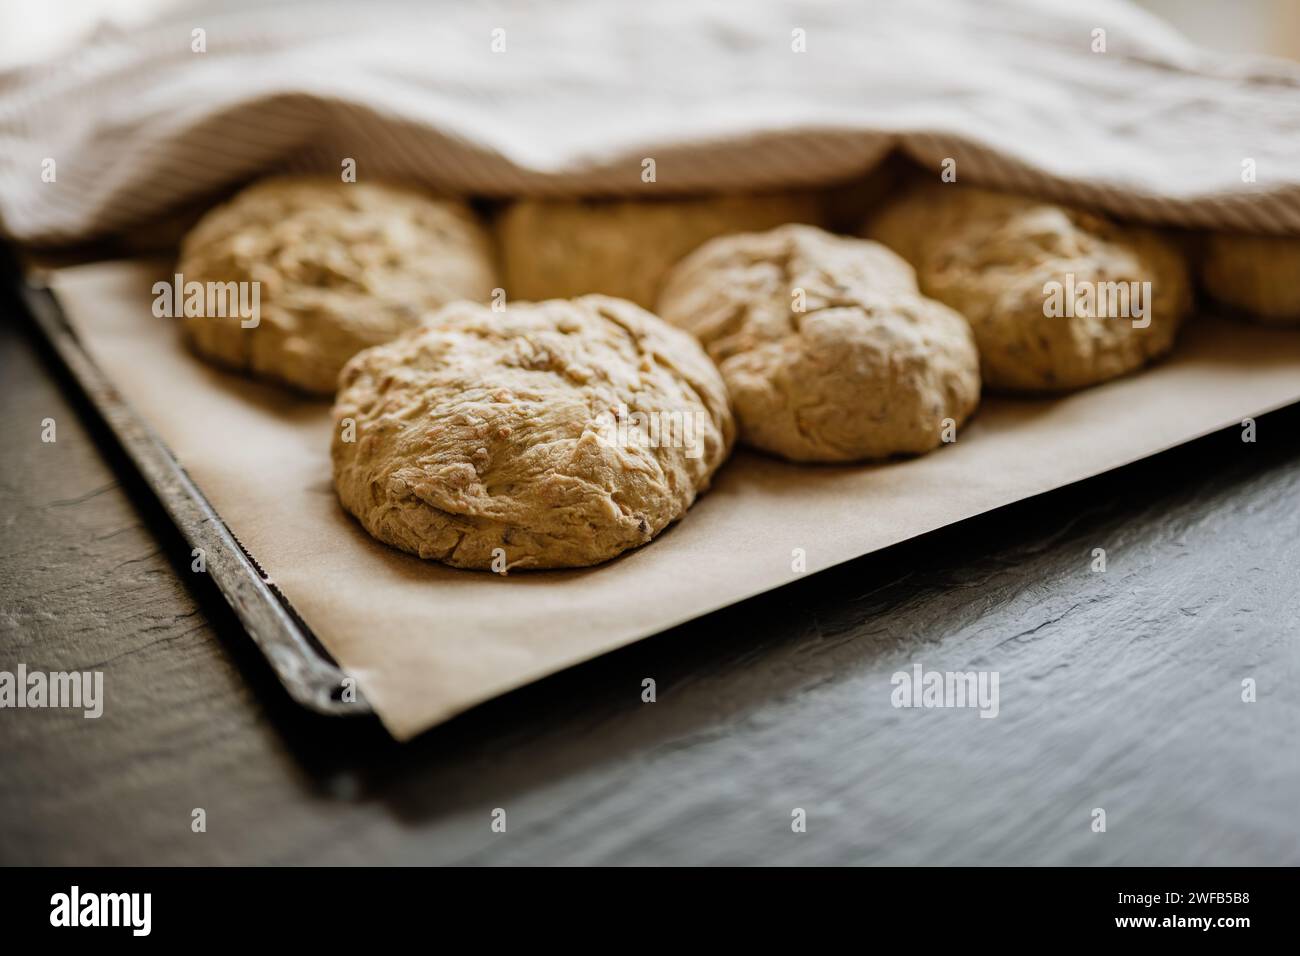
[(312, 678)]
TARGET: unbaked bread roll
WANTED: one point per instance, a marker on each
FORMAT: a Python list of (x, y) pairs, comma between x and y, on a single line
[(1256, 275), (1022, 270), (548, 435), (560, 248), (828, 350), (339, 267)]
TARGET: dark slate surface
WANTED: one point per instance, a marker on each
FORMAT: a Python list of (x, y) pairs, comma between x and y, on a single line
[(1119, 690)]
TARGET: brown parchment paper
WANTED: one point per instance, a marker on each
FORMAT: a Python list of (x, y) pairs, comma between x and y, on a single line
[(426, 642)]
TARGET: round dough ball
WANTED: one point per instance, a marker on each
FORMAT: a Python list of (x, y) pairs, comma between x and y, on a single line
[(560, 248), (341, 267), (828, 350), (561, 432), (1259, 275), (999, 259)]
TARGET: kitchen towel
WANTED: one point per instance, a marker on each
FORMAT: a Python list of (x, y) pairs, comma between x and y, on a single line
[(1097, 103)]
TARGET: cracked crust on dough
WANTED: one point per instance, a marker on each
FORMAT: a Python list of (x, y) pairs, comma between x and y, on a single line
[(1257, 275), (868, 369), (486, 430), (560, 248), (341, 267), (989, 256)]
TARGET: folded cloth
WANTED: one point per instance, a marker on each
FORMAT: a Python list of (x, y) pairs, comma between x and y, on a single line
[(573, 96)]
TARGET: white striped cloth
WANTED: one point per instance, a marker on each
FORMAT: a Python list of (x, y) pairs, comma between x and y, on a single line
[(139, 124)]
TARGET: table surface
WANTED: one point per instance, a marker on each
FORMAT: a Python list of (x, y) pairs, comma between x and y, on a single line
[(1120, 690)]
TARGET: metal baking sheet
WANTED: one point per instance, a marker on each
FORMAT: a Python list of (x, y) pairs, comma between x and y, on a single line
[(306, 670)]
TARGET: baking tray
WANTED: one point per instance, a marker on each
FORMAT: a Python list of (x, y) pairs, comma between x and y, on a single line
[(306, 670)]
